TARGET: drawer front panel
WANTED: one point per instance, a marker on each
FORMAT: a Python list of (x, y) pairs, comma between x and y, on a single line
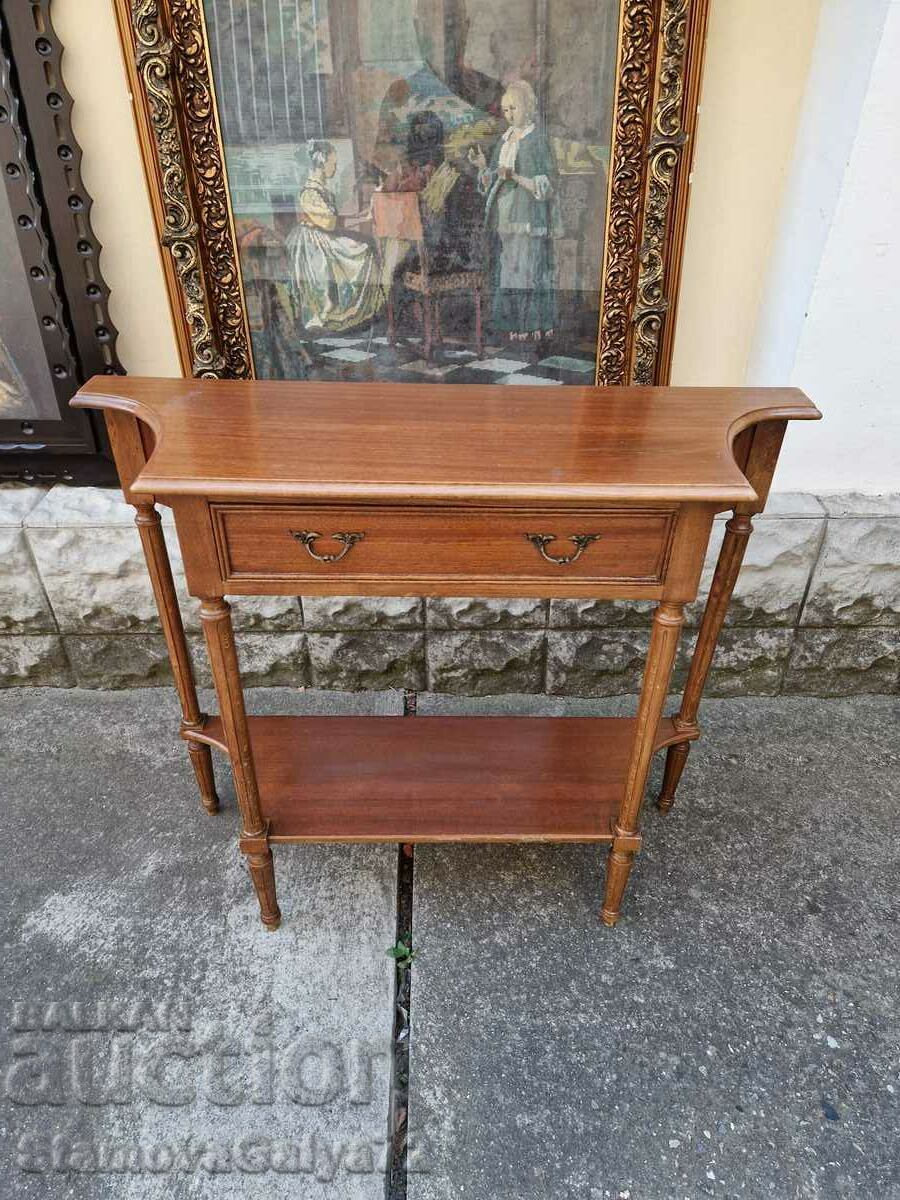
[(311, 543)]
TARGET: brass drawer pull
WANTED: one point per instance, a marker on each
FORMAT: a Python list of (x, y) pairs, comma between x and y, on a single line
[(542, 540), (308, 536)]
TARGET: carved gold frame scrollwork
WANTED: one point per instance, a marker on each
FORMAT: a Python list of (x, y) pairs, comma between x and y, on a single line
[(660, 55), (168, 63), (683, 33)]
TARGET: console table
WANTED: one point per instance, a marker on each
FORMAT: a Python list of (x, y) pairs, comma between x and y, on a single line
[(384, 490)]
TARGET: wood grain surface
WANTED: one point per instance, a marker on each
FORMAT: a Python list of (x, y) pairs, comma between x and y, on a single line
[(379, 441), (260, 541), (362, 779)]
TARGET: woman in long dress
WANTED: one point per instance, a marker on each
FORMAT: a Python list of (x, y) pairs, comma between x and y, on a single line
[(336, 276), (521, 217)]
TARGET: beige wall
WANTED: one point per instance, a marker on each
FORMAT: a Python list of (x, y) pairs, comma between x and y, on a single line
[(757, 62), (121, 216)]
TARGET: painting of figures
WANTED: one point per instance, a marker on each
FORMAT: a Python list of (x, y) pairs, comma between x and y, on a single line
[(26, 388), (418, 187)]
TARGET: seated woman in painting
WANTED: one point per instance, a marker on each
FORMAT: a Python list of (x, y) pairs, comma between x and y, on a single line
[(335, 275), (521, 219)]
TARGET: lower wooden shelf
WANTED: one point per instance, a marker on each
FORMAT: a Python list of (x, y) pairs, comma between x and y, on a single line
[(436, 779), (439, 778)]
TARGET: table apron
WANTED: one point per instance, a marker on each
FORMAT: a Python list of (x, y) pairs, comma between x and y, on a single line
[(639, 552)]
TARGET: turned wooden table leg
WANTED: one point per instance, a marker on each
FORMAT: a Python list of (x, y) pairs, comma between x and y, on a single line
[(215, 613), (149, 527), (676, 758), (667, 622), (737, 532)]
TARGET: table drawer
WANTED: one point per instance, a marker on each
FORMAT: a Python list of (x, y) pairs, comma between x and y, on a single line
[(367, 543)]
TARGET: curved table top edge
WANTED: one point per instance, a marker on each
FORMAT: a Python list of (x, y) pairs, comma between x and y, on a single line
[(153, 400)]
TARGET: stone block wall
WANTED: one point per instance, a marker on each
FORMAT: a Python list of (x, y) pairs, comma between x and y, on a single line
[(816, 611)]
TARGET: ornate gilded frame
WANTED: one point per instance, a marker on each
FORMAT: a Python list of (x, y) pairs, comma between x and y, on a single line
[(660, 58)]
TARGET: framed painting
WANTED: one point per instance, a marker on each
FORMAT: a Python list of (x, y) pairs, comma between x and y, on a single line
[(55, 329), (420, 190)]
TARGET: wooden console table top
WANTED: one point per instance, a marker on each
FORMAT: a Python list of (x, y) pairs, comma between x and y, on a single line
[(382, 441), (383, 489)]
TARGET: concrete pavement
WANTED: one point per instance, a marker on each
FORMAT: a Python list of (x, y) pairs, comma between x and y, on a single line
[(735, 1035)]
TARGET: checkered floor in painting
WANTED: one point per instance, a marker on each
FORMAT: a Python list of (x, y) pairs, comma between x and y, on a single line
[(359, 356)]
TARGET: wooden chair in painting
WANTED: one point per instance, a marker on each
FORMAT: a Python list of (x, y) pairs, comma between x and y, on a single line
[(397, 221)]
